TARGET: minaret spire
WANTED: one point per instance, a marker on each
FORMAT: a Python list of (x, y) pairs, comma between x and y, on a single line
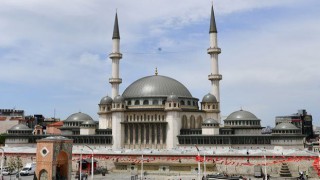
[(213, 27), (115, 56), (116, 33), (214, 77)]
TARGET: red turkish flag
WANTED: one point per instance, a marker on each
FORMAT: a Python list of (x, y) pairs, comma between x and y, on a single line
[(199, 158)]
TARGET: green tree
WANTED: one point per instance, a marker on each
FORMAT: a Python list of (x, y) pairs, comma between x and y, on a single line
[(14, 165), (2, 138)]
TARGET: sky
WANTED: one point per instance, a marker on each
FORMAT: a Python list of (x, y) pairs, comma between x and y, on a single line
[(54, 54)]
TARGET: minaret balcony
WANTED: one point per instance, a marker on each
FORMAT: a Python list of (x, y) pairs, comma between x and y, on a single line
[(214, 50), (115, 80), (215, 77), (115, 55)]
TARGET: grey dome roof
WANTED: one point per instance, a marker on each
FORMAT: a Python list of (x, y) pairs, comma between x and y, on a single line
[(242, 115), (78, 117), (106, 100), (118, 99), (172, 98), (89, 121), (210, 121), (285, 126), (20, 127), (156, 86), (209, 98)]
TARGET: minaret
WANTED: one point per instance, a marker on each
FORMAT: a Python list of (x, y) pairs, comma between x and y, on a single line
[(214, 51), (115, 56)]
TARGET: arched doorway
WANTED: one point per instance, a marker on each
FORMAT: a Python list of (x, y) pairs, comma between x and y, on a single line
[(43, 175), (62, 165)]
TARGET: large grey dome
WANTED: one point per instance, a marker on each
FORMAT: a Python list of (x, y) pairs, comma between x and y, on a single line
[(286, 126), (156, 86), (20, 127), (209, 98), (78, 117), (242, 115)]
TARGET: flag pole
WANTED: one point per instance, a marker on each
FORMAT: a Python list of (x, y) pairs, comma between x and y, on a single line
[(199, 170)]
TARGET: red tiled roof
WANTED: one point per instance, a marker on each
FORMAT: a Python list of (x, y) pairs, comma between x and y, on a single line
[(59, 123)]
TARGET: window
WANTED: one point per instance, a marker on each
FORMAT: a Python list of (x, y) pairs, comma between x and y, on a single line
[(136, 102), (155, 102), (182, 102), (145, 102)]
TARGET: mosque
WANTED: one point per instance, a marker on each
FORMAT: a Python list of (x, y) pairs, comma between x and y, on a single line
[(159, 112)]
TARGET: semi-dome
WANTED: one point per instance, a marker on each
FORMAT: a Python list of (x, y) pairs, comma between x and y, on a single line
[(286, 126), (20, 127), (242, 115), (78, 117), (209, 98), (106, 100), (118, 99), (172, 98), (156, 86), (210, 121)]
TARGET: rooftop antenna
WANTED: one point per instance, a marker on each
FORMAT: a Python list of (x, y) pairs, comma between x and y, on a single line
[(54, 113), (156, 73)]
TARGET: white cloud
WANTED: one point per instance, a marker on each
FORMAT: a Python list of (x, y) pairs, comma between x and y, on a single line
[(65, 45)]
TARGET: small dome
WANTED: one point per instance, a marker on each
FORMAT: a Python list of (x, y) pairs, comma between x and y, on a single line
[(210, 121), (106, 100), (88, 122), (20, 127), (242, 115), (172, 98), (285, 126), (118, 99), (78, 117), (209, 98)]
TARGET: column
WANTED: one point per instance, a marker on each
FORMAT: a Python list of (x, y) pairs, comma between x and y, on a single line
[(156, 134), (139, 134), (134, 134), (150, 133), (161, 136), (144, 134)]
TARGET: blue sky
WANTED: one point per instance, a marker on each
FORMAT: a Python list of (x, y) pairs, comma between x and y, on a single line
[(54, 54)]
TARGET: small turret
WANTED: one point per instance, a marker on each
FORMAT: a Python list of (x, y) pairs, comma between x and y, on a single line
[(172, 103)]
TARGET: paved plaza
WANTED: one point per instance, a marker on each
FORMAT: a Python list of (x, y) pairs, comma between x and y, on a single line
[(128, 176)]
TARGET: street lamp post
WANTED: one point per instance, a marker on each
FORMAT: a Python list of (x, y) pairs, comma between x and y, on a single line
[(265, 165), (91, 161), (204, 165), (142, 166), (2, 162), (80, 165)]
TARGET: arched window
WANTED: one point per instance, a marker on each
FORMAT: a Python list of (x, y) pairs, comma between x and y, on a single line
[(184, 122), (145, 102), (189, 103), (129, 102), (163, 102), (136, 102), (182, 102), (199, 122), (192, 122)]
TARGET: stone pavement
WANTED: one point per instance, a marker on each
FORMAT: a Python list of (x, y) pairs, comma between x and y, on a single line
[(127, 176)]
